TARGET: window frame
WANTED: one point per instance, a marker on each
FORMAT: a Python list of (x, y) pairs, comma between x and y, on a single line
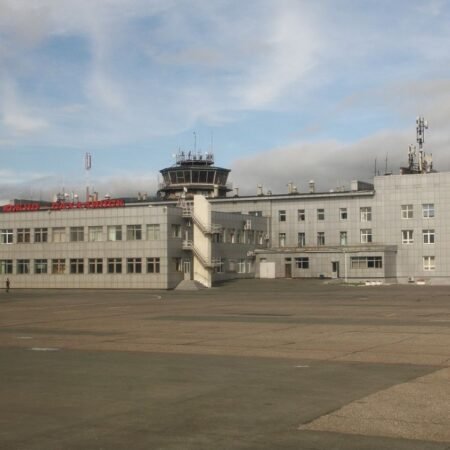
[(429, 236), (428, 211), (114, 233), (76, 234), (429, 263), (301, 262), (134, 265), (7, 236), (23, 235), (95, 265), (41, 266), (57, 265), (76, 266), (114, 265), (154, 264), (134, 232), (407, 237), (365, 236), (407, 211), (365, 214)]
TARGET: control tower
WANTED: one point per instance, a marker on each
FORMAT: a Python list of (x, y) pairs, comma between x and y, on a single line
[(193, 173)]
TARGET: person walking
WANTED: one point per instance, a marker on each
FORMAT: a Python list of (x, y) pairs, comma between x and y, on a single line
[(7, 285)]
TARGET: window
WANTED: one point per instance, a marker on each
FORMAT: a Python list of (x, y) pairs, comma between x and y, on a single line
[(40, 235), (301, 239), (59, 234), (153, 265), (6, 266), (114, 265), (366, 262), (6, 236), (58, 266), (241, 266), (428, 210), (301, 215), (365, 213), (232, 236), (429, 263), (255, 213), (343, 238), (40, 266), (23, 235), (301, 263), (76, 265), (407, 212), (366, 236), (95, 234), (134, 232), (23, 266), (282, 239), (343, 215), (134, 265), (153, 232), (320, 214), (176, 230), (428, 236), (282, 215), (320, 238), (114, 232), (76, 235), (260, 237), (178, 264), (95, 265), (220, 267), (407, 237)]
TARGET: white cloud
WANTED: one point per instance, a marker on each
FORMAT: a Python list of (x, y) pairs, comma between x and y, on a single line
[(330, 164), (16, 117)]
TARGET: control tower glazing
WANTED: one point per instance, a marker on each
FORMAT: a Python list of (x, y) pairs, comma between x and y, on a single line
[(194, 173)]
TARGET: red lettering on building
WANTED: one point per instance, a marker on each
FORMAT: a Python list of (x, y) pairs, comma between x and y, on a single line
[(58, 206), (21, 207)]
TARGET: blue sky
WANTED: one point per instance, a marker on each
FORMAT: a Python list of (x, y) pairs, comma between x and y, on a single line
[(289, 90)]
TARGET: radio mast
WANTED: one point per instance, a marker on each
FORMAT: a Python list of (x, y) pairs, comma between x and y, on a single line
[(87, 168)]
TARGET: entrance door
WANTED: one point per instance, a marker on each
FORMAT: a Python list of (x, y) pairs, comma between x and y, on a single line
[(288, 270), (187, 270), (335, 269)]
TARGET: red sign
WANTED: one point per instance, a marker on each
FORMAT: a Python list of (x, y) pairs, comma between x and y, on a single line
[(59, 206), (24, 207), (88, 205)]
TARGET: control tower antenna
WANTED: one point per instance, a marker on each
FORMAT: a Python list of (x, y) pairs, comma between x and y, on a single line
[(421, 126), (87, 168)]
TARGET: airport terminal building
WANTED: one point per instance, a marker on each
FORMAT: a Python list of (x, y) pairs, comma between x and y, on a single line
[(394, 230)]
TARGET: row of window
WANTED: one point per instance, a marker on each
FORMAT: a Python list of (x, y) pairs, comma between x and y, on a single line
[(365, 237), (365, 213), (233, 236), (428, 236), (78, 234), (240, 265), (78, 266), (367, 262)]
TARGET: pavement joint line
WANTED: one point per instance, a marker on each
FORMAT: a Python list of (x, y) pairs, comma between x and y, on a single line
[(369, 349)]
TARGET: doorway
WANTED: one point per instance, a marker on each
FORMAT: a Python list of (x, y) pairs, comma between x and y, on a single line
[(288, 270), (187, 269), (335, 269)]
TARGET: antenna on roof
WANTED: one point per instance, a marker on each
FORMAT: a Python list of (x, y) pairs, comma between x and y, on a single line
[(87, 167), (421, 126), (195, 142)]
